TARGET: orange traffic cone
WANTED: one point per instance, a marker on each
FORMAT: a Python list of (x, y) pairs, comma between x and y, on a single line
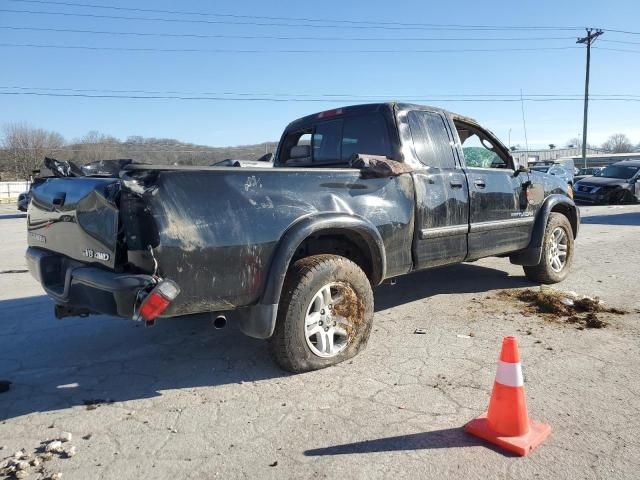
[(507, 423)]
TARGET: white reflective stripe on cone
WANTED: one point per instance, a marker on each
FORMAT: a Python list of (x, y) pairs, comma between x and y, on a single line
[(509, 374)]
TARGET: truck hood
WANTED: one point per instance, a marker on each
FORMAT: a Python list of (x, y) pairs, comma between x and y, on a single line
[(603, 181)]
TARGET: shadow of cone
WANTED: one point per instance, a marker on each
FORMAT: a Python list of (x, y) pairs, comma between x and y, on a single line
[(506, 423)]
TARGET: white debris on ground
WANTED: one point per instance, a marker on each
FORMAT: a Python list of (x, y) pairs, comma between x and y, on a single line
[(23, 464)]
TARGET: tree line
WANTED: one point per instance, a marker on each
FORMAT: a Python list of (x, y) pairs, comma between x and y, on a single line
[(23, 147)]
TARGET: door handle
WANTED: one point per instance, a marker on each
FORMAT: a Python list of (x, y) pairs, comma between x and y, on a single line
[(456, 183), (478, 182)]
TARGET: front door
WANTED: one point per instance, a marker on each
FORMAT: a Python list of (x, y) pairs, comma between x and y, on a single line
[(442, 199), (499, 219)]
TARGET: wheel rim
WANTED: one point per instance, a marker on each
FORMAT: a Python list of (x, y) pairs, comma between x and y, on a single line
[(327, 332), (558, 249)]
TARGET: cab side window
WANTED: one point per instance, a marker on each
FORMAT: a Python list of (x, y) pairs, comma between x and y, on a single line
[(332, 143), (430, 139)]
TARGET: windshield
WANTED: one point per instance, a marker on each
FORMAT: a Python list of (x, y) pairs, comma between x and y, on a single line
[(619, 171), (540, 169)]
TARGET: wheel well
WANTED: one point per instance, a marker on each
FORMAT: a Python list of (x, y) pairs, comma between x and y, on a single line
[(338, 242), (568, 212)]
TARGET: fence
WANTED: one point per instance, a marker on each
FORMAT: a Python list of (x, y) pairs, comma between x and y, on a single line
[(9, 191)]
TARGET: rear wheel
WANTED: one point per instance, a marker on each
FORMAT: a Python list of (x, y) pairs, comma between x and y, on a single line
[(324, 316), (557, 252)]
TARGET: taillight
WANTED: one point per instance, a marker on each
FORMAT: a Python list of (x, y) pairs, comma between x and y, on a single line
[(158, 300), (330, 113)]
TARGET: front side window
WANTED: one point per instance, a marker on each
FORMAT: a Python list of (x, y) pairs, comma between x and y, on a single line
[(431, 139), (479, 150)]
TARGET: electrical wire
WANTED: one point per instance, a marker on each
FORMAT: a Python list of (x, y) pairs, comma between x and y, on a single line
[(323, 95), (289, 25), (280, 37), (296, 19), (255, 50), (326, 100)]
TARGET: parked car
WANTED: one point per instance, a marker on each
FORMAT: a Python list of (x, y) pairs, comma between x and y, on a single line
[(23, 201), (357, 195), (588, 172), (618, 183), (557, 170)]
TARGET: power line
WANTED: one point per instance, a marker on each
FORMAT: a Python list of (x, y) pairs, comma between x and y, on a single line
[(230, 50), (280, 37), (280, 24), (322, 95), (296, 19), (616, 49), (620, 41), (326, 100), (627, 32)]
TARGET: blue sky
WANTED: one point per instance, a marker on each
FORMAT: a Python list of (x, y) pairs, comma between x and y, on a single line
[(389, 75)]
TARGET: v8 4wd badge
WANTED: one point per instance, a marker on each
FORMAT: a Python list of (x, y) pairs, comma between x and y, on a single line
[(104, 256)]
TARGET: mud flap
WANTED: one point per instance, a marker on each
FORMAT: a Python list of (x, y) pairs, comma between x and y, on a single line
[(257, 321)]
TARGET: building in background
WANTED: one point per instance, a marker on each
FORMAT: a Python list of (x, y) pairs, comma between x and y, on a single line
[(525, 157)]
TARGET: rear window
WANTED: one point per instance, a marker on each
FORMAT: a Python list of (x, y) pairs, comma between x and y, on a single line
[(335, 141)]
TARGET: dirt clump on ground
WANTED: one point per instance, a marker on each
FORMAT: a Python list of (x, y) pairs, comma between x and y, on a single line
[(563, 307)]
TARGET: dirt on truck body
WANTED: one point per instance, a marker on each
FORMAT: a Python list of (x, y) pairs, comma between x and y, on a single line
[(356, 195)]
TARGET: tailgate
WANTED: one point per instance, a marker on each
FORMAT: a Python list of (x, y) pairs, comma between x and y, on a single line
[(77, 217)]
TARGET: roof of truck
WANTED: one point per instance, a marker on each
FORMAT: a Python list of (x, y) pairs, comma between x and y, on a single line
[(371, 108)]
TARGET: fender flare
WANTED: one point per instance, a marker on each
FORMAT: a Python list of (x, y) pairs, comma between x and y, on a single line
[(259, 320), (531, 255)]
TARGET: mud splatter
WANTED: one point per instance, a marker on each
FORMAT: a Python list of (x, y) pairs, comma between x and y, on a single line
[(351, 308), (563, 307)]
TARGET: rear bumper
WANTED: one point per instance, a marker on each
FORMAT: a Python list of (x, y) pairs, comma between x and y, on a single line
[(76, 285)]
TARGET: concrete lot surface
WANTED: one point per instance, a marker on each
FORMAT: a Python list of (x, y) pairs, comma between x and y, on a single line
[(183, 400)]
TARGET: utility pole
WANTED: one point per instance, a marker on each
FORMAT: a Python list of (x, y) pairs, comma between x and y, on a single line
[(588, 40)]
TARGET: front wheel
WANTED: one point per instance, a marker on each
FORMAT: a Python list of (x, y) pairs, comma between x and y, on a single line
[(324, 316), (557, 252)]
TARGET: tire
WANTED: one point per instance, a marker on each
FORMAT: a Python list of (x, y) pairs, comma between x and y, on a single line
[(546, 271), (346, 321), (622, 197)]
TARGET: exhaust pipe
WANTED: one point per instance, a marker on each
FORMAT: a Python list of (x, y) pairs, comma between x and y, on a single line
[(220, 322)]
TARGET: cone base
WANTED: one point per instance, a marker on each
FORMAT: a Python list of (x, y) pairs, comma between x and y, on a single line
[(520, 445)]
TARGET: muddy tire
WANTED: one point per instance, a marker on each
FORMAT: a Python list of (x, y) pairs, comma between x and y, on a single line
[(325, 314), (557, 252)]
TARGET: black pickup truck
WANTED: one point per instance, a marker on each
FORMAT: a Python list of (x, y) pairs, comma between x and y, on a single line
[(356, 196)]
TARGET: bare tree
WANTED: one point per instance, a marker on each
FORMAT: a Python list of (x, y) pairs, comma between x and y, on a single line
[(25, 147), (96, 146), (618, 143), (574, 142)]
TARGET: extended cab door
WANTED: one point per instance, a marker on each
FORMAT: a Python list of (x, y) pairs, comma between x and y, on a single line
[(500, 221), (442, 199)]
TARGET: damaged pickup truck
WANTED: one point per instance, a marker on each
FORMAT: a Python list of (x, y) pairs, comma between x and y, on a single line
[(356, 196)]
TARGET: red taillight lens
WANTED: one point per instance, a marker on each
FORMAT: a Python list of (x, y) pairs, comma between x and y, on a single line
[(330, 113), (158, 300)]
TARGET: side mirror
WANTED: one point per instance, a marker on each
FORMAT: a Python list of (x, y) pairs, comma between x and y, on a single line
[(520, 169)]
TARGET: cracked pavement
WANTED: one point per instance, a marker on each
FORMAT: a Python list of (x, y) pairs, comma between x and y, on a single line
[(183, 400)]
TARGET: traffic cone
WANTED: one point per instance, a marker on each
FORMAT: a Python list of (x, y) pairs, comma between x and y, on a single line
[(507, 423)]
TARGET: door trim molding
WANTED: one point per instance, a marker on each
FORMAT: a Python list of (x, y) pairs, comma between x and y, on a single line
[(500, 224), (439, 232)]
